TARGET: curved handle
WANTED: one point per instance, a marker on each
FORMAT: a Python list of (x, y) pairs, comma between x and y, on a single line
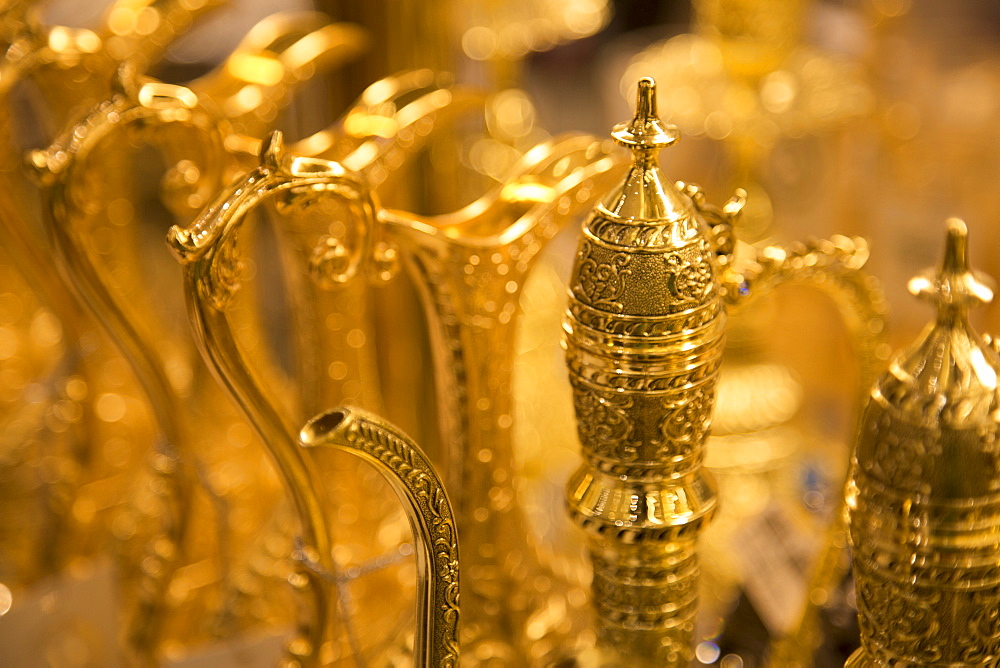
[(207, 243), (432, 520), (59, 169), (834, 267), (208, 251)]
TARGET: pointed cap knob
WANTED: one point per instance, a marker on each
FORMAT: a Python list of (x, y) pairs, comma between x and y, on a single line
[(646, 130), (954, 285)]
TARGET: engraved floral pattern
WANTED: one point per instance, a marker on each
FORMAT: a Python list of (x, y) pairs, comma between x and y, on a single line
[(604, 425), (690, 280), (920, 604), (686, 425), (601, 283), (374, 439)]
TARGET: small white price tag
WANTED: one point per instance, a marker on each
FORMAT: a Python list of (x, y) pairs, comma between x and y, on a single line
[(776, 558)]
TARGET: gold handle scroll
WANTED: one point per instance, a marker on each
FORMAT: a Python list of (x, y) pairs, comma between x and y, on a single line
[(207, 249), (834, 267), (62, 169)]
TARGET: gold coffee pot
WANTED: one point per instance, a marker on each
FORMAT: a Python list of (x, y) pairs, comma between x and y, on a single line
[(644, 343), (924, 492)]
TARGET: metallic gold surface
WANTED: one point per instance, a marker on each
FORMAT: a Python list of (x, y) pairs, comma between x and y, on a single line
[(431, 520), (59, 166), (311, 281), (70, 69), (747, 77), (67, 69), (192, 540), (644, 338), (922, 495), (208, 249), (278, 54), (327, 276), (502, 232), (455, 260), (644, 345), (377, 134)]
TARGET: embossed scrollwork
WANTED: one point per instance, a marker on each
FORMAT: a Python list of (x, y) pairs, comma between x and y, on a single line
[(431, 519), (601, 282), (686, 424), (690, 281), (605, 420)]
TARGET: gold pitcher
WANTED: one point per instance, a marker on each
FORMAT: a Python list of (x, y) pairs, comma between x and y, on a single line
[(470, 267), (208, 248), (330, 335), (69, 69)]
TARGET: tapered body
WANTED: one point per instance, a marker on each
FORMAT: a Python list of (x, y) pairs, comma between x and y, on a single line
[(924, 492), (644, 340)]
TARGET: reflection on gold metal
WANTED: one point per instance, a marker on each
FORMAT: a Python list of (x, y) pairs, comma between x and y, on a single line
[(455, 259), (334, 363), (208, 550), (834, 268), (644, 339), (922, 497)]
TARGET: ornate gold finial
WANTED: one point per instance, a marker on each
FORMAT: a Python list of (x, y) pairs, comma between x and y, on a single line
[(923, 496), (955, 285), (644, 339), (646, 130)]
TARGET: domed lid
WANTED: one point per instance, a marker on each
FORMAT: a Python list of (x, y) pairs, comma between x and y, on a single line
[(646, 196), (935, 411), (950, 374)]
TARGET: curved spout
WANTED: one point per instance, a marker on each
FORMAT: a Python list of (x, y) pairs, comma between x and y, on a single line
[(421, 491)]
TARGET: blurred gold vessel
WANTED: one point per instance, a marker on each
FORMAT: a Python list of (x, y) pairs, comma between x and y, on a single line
[(923, 492)]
